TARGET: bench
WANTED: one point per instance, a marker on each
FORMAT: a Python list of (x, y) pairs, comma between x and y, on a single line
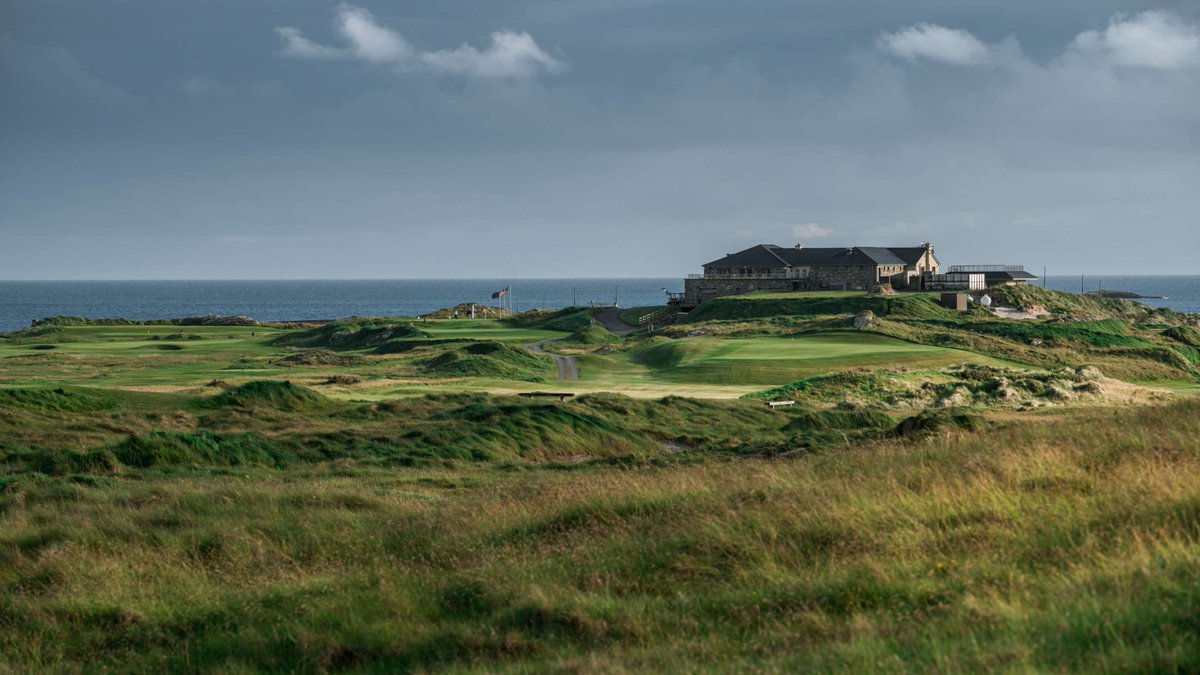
[(561, 396), (779, 404)]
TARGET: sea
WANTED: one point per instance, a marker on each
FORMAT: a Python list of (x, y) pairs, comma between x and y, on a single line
[(21, 302)]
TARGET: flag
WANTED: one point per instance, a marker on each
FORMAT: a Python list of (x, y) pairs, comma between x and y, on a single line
[(500, 294)]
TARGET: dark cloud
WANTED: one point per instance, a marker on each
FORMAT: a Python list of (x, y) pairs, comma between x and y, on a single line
[(410, 144)]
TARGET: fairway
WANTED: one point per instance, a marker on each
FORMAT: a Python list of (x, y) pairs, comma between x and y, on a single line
[(172, 358), (713, 367), (176, 358), (769, 361)]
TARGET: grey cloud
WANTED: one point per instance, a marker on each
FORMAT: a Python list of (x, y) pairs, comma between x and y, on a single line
[(733, 128), (935, 43), (1152, 39), (510, 54)]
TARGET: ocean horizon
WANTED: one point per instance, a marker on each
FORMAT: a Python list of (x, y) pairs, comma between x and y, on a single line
[(22, 302)]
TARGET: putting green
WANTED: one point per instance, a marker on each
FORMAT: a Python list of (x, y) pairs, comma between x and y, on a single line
[(751, 363)]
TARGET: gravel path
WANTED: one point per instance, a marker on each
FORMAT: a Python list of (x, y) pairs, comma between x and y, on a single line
[(568, 367), (610, 318)]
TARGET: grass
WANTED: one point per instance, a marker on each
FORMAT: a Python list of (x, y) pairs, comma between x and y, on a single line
[(369, 496), (438, 356), (492, 359), (1066, 545), (761, 361), (761, 305)]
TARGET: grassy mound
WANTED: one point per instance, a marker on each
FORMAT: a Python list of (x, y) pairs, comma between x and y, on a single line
[(840, 420), (909, 306), (52, 400), (175, 449), (863, 385), (1099, 333), (592, 335), (490, 359), (507, 429), (406, 345), (350, 335), (1184, 334), (567, 320), (270, 394), (1089, 306), (317, 357), (959, 386), (930, 422), (666, 355)]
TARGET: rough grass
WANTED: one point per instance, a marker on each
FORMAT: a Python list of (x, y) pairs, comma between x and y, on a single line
[(350, 335), (491, 360), (958, 387), (910, 305), (592, 335), (1101, 333), (52, 400), (1089, 306), (266, 527), (1065, 546), (270, 394), (567, 320), (273, 423)]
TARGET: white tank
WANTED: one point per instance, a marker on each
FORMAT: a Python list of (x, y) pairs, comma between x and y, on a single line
[(985, 300)]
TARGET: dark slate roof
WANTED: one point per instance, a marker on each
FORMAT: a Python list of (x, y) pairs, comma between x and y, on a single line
[(763, 255), (911, 255), (882, 256), (769, 255)]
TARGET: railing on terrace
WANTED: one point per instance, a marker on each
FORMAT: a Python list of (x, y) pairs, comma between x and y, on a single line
[(656, 316), (748, 276), (986, 268)]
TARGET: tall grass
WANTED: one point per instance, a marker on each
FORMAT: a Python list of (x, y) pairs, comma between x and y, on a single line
[(1069, 544)]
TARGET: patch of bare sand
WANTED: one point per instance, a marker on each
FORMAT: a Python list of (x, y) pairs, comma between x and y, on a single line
[(1014, 314)]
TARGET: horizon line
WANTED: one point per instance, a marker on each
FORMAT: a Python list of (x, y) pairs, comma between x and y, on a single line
[(629, 278)]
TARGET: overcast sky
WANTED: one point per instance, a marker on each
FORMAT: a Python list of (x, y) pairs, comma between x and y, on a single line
[(566, 138)]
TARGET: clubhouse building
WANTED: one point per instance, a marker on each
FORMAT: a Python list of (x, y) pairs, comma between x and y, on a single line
[(767, 267)]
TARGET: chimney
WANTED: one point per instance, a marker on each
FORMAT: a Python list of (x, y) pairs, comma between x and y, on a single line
[(799, 246)]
